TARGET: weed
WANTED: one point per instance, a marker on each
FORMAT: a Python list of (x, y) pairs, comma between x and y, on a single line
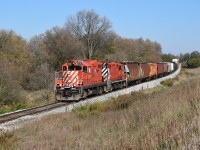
[(168, 82), (7, 141)]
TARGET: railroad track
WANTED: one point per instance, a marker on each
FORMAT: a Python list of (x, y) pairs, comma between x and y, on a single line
[(30, 111)]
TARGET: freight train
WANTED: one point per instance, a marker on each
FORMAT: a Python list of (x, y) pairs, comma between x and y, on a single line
[(82, 78)]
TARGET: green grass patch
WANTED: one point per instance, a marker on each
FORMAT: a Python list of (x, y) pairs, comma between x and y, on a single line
[(12, 107), (169, 82), (115, 104)]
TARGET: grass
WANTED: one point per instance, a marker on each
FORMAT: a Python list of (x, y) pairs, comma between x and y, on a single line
[(31, 99), (168, 82), (12, 107), (164, 118), (7, 141), (40, 97), (97, 108)]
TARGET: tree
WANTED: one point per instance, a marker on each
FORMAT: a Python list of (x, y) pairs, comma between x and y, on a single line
[(10, 89), (136, 50), (186, 57), (13, 48), (95, 32), (37, 48), (194, 54), (193, 63), (61, 45), (167, 57)]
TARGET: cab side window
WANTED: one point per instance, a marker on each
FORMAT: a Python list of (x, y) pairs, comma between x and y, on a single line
[(64, 68), (84, 68)]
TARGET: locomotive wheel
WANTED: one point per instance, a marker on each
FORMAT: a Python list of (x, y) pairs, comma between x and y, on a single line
[(100, 90), (111, 88)]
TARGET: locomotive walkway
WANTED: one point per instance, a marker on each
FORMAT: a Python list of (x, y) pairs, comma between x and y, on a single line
[(14, 120)]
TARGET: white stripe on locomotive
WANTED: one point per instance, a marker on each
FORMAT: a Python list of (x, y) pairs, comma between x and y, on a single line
[(104, 72)]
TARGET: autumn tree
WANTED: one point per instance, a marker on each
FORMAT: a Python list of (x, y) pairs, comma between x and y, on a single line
[(14, 48), (10, 83), (15, 61), (37, 49), (136, 50), (61, 45), (94, 31)]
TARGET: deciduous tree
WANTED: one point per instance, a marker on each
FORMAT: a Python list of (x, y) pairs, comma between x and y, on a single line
[(94, 31)]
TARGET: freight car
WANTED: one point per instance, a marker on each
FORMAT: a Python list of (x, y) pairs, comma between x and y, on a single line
[(134, 72), (82, 78)]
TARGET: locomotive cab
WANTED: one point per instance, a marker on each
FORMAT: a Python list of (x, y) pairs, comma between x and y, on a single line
[(71, 73)]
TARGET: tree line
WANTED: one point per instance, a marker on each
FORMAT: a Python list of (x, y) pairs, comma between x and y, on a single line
[(30, 65)]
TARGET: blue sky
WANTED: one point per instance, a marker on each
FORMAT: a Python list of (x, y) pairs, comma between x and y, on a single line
[(175, 24)]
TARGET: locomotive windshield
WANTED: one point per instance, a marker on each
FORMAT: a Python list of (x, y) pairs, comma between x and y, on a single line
[(72, 67)]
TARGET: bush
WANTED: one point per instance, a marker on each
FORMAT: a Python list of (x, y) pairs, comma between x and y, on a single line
[(193, 63), (168, 82)]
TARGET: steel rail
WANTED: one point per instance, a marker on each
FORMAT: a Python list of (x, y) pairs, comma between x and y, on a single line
[(14, 115)]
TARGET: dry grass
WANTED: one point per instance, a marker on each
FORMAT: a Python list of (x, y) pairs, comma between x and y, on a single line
[(30, 99), (164, 118), (40, 97)]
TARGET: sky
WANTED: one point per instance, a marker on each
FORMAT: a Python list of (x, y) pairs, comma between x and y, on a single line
[(175, 24)]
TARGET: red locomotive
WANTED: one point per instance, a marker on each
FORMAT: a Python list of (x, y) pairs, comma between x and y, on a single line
[(81, 78)]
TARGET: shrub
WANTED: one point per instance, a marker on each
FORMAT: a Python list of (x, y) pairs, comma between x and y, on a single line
[(193, 63), (168, 82)]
